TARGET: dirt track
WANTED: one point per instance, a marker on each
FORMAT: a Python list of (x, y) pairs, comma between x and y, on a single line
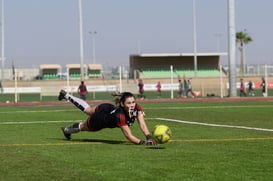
[(186, 100)]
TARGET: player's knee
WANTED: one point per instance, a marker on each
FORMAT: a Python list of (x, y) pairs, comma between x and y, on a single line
[(89, 111)]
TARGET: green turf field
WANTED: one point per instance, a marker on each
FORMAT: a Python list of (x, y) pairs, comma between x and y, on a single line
[(210, 141)]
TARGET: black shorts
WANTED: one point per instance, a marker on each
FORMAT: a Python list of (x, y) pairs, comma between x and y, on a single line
[(102, 118)]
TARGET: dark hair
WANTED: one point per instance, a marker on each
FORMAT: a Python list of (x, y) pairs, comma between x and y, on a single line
[(125, 95), (121, 97)]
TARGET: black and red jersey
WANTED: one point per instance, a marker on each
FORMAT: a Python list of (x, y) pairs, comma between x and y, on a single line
[(108, 116)]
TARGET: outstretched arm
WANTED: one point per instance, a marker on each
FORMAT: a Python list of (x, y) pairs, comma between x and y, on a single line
[(142, 124), (145, 130), (128, 134)]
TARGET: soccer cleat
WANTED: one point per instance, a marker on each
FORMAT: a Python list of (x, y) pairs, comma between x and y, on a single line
[(67, 135), (62, 95)]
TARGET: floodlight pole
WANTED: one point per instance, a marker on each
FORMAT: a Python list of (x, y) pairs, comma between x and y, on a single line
[(194, 38), (221, 80), (218, 36), (81, 39), (171, 69), (120, 79), (15, 86), (3, 45), (265, 78), (232, 48)]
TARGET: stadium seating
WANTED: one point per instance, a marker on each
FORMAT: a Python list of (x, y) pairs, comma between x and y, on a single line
[(50, 76), (94, 74), (75, 75), (161, 73), (94, 70)]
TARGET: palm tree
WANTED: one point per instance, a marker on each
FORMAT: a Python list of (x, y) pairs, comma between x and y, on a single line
[(242, 38)]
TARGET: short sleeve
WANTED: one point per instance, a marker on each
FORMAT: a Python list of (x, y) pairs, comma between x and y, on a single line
[(122, 120)]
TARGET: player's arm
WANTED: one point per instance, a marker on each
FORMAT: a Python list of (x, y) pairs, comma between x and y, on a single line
[(144, 129), (142, 124), (128, 134)]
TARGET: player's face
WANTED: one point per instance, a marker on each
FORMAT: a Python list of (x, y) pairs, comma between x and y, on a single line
[(129, 104)]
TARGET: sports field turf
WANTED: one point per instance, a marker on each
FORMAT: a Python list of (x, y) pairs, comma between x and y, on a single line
[(210, 141)]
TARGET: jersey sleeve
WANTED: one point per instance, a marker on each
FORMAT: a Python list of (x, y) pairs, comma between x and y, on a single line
[(139, 109), (122, 120)]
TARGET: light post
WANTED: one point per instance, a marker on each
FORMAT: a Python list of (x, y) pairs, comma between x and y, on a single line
[(3, 46), (81, 38), (93, 34), (194, 37), (218, 36), (232, 48)]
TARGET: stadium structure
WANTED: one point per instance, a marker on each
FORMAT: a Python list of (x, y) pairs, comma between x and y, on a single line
[(158, 65), (208, 76)]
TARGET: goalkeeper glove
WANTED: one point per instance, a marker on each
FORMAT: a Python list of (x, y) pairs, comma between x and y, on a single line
[(147, 142)]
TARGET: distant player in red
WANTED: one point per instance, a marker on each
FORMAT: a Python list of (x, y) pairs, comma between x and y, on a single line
[(242, 88), (110, 116), (141, 89), (158, 88), (82, 90)]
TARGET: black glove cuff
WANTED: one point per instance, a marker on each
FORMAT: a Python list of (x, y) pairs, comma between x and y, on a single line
[(148, 136), (142, 142)]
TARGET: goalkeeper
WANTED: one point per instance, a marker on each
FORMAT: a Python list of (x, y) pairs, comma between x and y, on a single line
[(107, 115)]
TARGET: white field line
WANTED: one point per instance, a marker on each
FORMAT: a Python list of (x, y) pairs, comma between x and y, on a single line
[(50, 144), (162, 119), (194, 107), (213, 125), (223, 139), (209, 107), (38, 122), (40, 111)]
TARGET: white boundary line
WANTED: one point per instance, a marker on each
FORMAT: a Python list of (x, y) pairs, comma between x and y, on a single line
[(209, 107), (49, 144), (12, 112), (157, 108), (162, 119), (39, 122), (213, 125)]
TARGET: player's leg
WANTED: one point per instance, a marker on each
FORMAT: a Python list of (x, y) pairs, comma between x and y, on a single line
[(75, 128), (79, 103), (68, 130)]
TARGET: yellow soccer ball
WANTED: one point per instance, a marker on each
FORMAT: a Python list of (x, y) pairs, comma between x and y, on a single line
[(161, 134)]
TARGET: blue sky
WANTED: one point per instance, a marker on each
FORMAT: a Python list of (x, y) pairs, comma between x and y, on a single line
[(47, 31)]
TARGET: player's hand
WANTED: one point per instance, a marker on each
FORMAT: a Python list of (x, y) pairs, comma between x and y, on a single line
[(150, 142)]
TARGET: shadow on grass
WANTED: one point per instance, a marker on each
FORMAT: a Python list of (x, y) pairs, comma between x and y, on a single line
[(91, 141), (158, 147), (100, 141)]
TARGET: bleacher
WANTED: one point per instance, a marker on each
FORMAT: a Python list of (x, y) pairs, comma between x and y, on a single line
[(50, 71), (202, 72), (155, 72), (50, 76), (94, 70), (157, 65), (75, 70), (163, 72), (74, 75), (94, 74)]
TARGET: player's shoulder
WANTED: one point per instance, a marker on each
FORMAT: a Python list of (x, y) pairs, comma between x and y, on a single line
[(138, 107)]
